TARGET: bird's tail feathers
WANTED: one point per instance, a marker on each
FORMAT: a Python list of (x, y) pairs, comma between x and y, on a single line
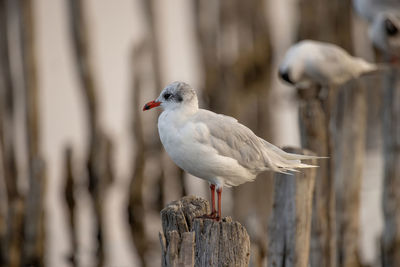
[(292, 170), (293, 156), (281, 161), (366, 67), (290, 156), (305, 166)]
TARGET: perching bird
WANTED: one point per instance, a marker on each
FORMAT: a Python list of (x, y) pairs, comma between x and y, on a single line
[(215, 147), (383, 17), (384, 33), (317, 63), (369, 9)]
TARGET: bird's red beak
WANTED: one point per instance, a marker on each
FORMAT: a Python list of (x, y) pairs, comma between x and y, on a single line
[(150, 105)]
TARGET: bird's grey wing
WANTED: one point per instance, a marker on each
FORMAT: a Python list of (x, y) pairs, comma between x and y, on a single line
[(338, 67), (332, 53), (230, 139)]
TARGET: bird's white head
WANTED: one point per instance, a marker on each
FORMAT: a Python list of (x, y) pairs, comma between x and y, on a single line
[(385, 33), (175, 96), (292, 67)]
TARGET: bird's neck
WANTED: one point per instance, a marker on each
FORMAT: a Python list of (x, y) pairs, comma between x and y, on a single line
[(187, 109), (190, 109), (180, 114)]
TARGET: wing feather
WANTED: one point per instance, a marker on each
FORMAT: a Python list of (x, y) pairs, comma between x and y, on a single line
[(232, 139)]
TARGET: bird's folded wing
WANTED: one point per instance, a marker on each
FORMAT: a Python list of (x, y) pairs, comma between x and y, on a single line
[(231, 139)]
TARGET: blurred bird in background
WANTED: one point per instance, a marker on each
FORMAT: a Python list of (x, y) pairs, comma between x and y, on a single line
[(309, 63), (383, 17)]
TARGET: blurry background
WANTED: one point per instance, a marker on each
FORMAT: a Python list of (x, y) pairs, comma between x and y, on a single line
[(84, 176)]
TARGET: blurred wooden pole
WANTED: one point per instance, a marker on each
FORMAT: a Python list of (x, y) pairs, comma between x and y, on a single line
[(3, 219), (231, 76), (235, 47), (314, 120), (187, 241), (334, 25), (349, 154), (149, 7), (15, 202), (391, 184), (338, 131), (136, 210), (289, 230), (147, 74), (69, 195), (99, 165), (333, 18), (33, 254), (3, 199)]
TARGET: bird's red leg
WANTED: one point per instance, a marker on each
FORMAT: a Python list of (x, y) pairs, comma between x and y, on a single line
[(213, 210), (213, 214), (219, 192)]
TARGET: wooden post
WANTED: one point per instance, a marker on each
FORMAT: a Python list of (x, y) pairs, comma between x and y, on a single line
[(335, 126), (33, 253), (349, 136), (136, 209), (391, 184), (315, 134), (99, 166), (334, 20), (245, 74), (12, 243), (190, 241), (290, 226), (70, 200)]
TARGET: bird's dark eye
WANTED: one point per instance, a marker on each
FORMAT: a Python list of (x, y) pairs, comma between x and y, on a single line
[(391, 29), (167, 96)]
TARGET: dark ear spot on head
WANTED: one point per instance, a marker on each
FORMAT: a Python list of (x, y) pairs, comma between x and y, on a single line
[(390, 28), (284, 74), (179, 98)]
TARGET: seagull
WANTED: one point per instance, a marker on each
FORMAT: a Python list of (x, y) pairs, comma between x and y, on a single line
[(384, 33), (311, 62), (215, 147), (383, 17), (369, 9)]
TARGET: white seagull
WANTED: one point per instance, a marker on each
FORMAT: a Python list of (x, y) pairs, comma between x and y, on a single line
[(369, 9), (215, 147), (384, 33), (383, 17), (317, 63)]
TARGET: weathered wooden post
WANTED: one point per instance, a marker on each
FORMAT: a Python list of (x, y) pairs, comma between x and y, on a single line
[(71, 201), (11, 250), (314, 120), (190, 241), (334, 19), (349, 137), (99, 165), (289, 230), (391, 184), (334, 124)]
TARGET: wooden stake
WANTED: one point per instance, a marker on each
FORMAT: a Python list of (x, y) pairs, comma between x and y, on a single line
[(391, 184), (190, 241), (290, 226)]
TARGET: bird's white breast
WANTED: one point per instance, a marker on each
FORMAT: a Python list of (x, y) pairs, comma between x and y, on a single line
[(176, 140), (179, 136)]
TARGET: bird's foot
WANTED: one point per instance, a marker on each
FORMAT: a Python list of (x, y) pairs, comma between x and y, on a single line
[(213, 216)]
